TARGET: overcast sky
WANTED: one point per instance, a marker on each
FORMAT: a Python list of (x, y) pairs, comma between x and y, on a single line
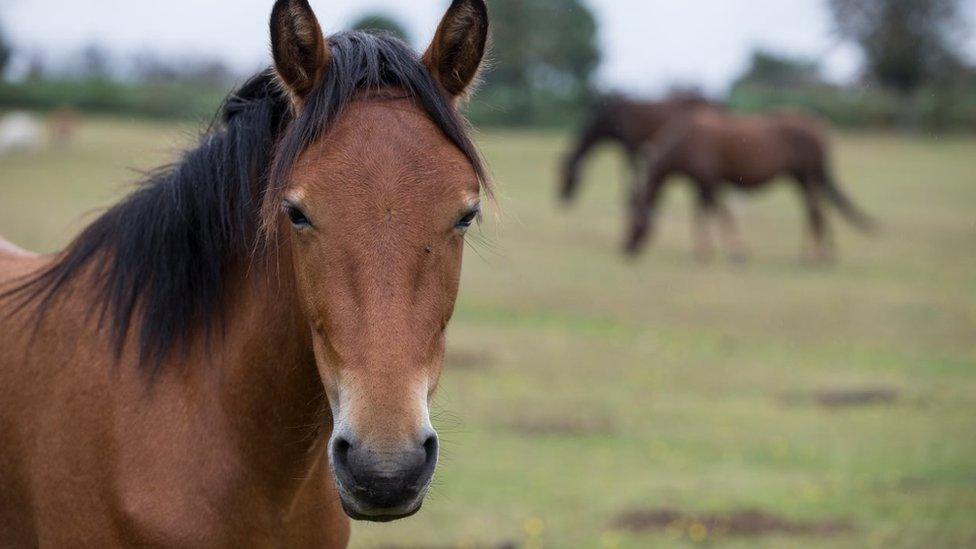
[(648, 44)]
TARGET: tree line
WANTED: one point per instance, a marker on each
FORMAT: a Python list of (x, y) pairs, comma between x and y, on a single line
[(544, 57)]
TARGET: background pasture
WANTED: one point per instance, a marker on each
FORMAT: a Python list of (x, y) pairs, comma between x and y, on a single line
[(591, 401)]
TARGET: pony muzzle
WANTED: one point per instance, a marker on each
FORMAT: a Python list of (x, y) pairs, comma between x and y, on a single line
[(382, 483)]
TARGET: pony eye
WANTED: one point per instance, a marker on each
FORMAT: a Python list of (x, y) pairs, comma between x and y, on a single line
[(297, 218), (465, 222)]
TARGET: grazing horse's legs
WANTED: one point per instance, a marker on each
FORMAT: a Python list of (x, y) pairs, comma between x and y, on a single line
[(817, 247), (705, 206), (642, 208), (638, 168), (709, 206), (731, 238)]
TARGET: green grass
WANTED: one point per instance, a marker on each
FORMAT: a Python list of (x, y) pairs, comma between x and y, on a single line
[(665, 383)]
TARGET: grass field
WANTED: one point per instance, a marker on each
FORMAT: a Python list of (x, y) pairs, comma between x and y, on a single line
[(737, 405)]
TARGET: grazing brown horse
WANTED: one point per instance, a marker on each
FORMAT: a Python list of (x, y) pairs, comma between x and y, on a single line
[(640, 128), (246, 346), (630, 123), (715, 148)]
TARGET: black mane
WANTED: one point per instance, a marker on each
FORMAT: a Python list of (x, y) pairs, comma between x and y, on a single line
[(162, 256)]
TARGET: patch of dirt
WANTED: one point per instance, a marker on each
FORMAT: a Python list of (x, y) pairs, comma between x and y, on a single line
[(469, 359), (862, 396), (846, 397), (913, 484), (748, 522), (563, 426)]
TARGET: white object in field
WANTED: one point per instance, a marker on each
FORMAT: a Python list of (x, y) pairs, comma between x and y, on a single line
[(20, 131)]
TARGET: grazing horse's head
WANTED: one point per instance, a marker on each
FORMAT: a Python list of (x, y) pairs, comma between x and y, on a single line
[(377, 207), (608, 120), (599, 127)]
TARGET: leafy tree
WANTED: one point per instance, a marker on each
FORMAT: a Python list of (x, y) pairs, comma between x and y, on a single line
[(907, 43), (771, 69), (383, 23), (544, 53), (94, 62), (6, 51)]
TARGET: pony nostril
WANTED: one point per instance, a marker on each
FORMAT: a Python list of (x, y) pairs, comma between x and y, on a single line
[(340, 451), (430, 447)]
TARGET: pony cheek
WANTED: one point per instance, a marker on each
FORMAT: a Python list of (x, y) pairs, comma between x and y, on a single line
[(327, 366), (451, 283)]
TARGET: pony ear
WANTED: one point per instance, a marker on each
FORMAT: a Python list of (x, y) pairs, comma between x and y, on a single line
[(455, 54), (301, 53)]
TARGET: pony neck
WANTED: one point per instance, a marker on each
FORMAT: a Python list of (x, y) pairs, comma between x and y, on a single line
[(263, 372)]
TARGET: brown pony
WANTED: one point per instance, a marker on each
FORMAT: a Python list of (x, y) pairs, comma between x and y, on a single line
[(714, 148), (630, 123), (247, 345), (637, 127), (665, 136)]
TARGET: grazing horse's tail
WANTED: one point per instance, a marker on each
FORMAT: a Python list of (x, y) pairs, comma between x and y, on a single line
[(847, 208)]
